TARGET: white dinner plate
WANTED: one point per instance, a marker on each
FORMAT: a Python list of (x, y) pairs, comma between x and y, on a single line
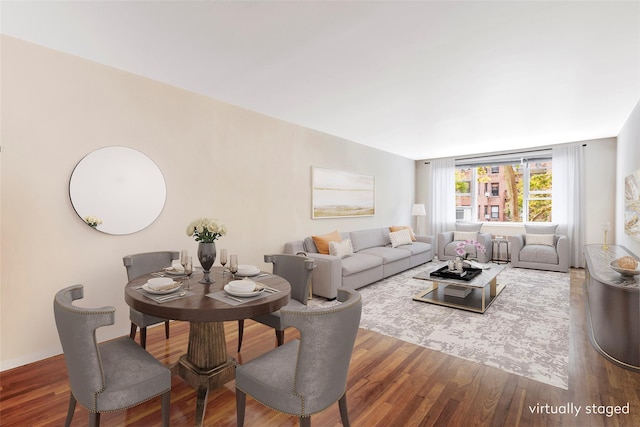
[(247, 270), (146, 287), (242, 294)]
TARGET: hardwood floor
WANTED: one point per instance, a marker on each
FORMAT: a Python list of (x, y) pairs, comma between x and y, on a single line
[(391, 383)]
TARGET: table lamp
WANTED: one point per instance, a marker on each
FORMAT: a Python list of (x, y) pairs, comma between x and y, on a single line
[(605, 228)]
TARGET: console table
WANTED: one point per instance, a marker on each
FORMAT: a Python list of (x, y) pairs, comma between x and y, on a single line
[(613, 312)]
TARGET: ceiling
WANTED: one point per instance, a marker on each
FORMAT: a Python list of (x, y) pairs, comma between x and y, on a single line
[(422, 79)]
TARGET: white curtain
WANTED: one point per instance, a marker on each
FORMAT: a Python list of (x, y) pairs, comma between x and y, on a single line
[(442, 197), (568, 197)]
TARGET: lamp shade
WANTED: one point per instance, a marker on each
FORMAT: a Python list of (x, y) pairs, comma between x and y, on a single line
[(418, 210)]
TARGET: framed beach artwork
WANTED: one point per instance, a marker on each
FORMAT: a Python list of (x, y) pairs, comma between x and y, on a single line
[(632, 205), (337, 194)]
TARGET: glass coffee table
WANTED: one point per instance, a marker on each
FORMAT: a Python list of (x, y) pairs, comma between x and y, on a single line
[(473, 295)]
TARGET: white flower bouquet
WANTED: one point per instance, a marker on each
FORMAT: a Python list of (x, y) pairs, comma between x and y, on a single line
[(206, 230), (92, 221)]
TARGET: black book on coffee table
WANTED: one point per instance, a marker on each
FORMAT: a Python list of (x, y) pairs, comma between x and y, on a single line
[(467, 275)]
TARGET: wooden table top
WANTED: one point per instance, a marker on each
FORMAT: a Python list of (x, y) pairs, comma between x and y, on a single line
[(201, 308)]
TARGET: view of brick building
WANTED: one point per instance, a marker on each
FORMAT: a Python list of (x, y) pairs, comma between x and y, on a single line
[(504, 193)]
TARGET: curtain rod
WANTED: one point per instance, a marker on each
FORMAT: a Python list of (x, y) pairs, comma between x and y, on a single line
[(501, 153)]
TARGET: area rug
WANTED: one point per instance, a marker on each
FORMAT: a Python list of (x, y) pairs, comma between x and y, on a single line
[(525, 331)]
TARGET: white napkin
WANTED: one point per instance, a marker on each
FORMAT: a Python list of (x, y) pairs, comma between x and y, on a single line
[(175, 266), (242, 286), (248, 269)]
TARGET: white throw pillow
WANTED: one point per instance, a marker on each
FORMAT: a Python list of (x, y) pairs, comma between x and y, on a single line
[(401, 237), (465, 235), (539, 239), (341, 249)]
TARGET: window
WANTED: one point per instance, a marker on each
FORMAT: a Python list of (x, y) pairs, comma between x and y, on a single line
[(504, 188)]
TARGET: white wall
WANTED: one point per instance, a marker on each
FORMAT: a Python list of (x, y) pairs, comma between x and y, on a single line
[(600, 188), (628, 163), (250, 171)]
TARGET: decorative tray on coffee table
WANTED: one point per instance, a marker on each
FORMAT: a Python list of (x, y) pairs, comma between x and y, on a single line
[(467, 275)]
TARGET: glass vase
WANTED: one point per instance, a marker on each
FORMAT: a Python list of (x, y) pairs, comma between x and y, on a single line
[(206, 256)]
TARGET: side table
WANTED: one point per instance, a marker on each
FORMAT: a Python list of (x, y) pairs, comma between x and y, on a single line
[(498, 242)]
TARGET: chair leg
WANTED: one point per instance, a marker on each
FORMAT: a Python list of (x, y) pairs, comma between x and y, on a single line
[(240, 333), (305, 421), (94, 419), (166, 403), (344, 415), (71, 410), (241, 399), (280, 337), (143, 338), (166, 329), (134, 329)]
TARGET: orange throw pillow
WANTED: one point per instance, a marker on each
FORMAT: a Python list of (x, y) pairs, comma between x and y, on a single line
[(322, 242), (394, 228)]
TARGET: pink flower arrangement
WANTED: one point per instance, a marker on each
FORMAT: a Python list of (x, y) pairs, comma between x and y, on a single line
[(462, 250)]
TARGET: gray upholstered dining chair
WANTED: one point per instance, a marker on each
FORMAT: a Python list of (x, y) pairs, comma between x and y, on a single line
[(109, 376), (295, 269), (138, 265), (305, 376)]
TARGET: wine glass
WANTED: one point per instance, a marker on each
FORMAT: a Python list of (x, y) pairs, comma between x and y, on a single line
[(183, 258), (188, 269), (223, 259), (233, 265)]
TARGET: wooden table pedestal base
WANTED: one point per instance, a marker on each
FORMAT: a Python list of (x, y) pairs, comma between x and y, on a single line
[(206, 366)]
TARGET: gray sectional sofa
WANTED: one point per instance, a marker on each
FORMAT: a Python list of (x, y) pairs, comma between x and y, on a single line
[(373, 259)]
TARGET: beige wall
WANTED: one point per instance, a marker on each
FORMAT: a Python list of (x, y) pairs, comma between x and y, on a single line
[(250, 171)]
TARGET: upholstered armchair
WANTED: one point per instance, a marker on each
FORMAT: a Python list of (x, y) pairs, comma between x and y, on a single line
[(448, 242), (540, 248), (305, 376), (109, 376)]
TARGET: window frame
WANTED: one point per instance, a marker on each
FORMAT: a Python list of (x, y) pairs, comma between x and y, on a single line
[(490, 165)]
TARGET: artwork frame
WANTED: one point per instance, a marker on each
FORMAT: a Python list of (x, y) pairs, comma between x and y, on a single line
[(632, 205), (341, 194)]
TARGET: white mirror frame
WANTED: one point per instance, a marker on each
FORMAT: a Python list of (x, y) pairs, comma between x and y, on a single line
[(119, 187)]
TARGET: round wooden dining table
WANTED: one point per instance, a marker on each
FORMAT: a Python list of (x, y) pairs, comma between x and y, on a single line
[(206, 365)]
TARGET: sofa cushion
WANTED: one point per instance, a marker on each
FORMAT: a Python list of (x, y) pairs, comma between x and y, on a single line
[(341, 249), (539, 254), (322, 241), (368, 239), (468, 226), (540, 229), (403, 227), (539, 239), (386, 253), (359, 262), (416, 247), (309, 245), (400, 237)]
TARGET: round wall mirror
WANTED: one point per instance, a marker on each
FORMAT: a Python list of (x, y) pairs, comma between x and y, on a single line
[(117, 190)]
